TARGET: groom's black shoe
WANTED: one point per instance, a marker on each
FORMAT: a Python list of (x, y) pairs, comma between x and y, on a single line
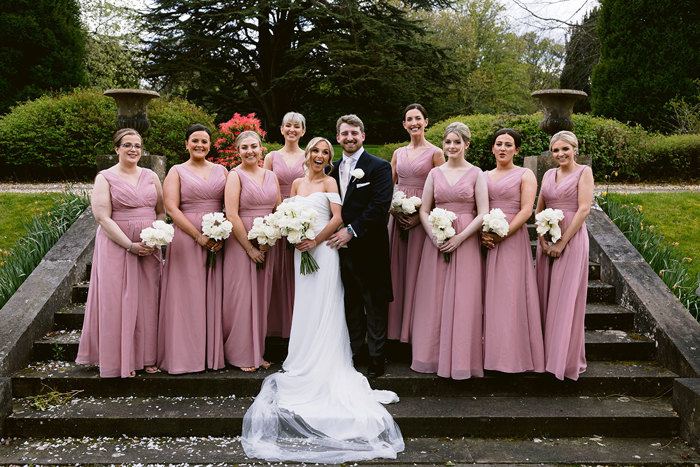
[(376, 367)]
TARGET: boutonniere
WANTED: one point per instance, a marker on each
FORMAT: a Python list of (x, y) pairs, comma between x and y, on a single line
[(357, 174)]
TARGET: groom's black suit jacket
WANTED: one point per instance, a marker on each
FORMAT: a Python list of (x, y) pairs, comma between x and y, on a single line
[(366, 208)]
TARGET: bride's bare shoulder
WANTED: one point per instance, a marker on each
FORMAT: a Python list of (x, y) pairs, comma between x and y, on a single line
[(330, 185)]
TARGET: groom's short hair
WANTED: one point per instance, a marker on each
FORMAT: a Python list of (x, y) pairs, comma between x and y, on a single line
[(350, 119)]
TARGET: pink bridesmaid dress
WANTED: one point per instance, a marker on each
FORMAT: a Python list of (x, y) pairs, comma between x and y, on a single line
[(121, 315), (279, 318), (563, 285), (246, 288), (406, 254), (447, 307), (190, 336), (512, 323)]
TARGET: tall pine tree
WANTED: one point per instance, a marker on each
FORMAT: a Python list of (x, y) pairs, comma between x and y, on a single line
[(582, 54), (649, 54), (41, 48)]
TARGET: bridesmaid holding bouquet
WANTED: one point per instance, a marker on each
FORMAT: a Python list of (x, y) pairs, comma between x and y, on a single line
[(562, 267), (512, 324), (288, 165), (190, 337), (121, 315), (251, 192), (447, 308), (410, 166)]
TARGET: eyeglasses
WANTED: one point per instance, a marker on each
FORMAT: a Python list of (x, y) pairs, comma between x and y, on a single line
[(128, 146)]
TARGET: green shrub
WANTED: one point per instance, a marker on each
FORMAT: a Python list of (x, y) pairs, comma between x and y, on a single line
[(671, 157), (70, 129)]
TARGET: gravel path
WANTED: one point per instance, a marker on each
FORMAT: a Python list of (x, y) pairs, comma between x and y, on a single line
[(613, 188)]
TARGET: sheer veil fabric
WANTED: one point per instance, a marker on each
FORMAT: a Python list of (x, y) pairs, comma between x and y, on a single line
[(319, 408)]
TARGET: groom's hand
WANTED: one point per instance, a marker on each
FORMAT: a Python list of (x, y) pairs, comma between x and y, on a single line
[(339, 239)]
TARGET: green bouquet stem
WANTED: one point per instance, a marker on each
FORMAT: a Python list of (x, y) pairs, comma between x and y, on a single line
[(211, 259), (308, 263), (447, 257)]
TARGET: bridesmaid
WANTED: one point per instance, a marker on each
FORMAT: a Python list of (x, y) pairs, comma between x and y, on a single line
[(190, 337), (409, 166), (563, 281), (288, 165), (251, 192), (512, 324), (447, 307), (121, 315)]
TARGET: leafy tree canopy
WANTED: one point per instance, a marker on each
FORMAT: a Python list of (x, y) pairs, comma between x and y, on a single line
[(582, 54)]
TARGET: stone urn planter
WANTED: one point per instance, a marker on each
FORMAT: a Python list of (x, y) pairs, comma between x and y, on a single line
[(557, 109), (132, 112)]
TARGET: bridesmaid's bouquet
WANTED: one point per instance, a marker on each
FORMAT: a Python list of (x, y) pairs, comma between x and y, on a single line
[(294, 221), (265, 232), (217, 227), (404, 205), (441, 222), (160, 234), (547, 222), (495, 222)]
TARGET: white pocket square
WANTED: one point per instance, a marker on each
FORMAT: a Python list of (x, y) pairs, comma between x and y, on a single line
[(360, 185)]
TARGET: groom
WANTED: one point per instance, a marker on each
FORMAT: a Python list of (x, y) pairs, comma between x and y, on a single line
[(366, 186)]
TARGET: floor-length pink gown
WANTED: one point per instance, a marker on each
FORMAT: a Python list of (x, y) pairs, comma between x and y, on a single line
[(512, 324), (406, 253), (247, 288), (121, 315), (447, 307), (563, 285), (279, 318), (190, 335)]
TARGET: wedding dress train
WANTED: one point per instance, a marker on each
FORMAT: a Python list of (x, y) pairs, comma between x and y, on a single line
[(319, 408)]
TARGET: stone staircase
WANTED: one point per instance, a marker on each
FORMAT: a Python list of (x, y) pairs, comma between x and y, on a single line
[(618, 412)]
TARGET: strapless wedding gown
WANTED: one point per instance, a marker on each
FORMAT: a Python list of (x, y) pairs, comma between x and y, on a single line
[(319, 408)]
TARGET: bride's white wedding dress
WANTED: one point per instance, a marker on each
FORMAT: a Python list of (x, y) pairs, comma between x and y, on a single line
[(319, 408)]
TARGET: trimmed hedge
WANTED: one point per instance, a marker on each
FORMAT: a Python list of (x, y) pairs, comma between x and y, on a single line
[(614, 146), (69, 130)]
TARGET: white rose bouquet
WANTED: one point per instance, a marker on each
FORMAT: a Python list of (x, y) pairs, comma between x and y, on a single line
[(441, 222), (265, 232), (294, 221), (547, 222), (495, 222), (217, 227), (402, 204), (160, 234)]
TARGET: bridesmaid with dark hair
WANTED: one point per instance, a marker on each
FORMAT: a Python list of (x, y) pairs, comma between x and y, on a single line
[(562, 267), (410, 166), (190, 336), (512, 324), (251, 192), (121, 315), (288, 165)]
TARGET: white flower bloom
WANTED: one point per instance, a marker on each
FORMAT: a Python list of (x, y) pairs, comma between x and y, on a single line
[(358, 173), (216, 226)]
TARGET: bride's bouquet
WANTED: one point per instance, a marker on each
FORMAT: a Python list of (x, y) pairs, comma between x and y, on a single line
[(217, 227), (402, 204), (547, 222), (264, 232), (441, 222), (495, 222), (160, 234), (294, 220)]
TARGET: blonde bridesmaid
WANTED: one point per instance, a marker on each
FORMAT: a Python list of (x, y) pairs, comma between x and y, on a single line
[(288, 165)]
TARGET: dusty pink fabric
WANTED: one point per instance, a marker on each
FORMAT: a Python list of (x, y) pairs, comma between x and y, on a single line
[(563, 285), (406, 254), (512, 324), (121, 315), (190, 336), (247, 289), (447, 308), (279, 318)]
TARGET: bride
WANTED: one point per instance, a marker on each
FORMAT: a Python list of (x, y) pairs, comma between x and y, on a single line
[(318, 408)]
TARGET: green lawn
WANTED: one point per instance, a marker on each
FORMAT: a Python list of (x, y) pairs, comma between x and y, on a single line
[(370, 148), (677, 217), (17, 208)]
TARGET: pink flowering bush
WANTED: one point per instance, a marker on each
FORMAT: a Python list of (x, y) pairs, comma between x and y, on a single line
[(226, 143)]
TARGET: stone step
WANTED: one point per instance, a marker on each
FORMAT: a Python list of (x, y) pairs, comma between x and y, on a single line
[(416, 416), (595, 450), (80, 292), (69, 318), (600, 345), (641, 379)]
